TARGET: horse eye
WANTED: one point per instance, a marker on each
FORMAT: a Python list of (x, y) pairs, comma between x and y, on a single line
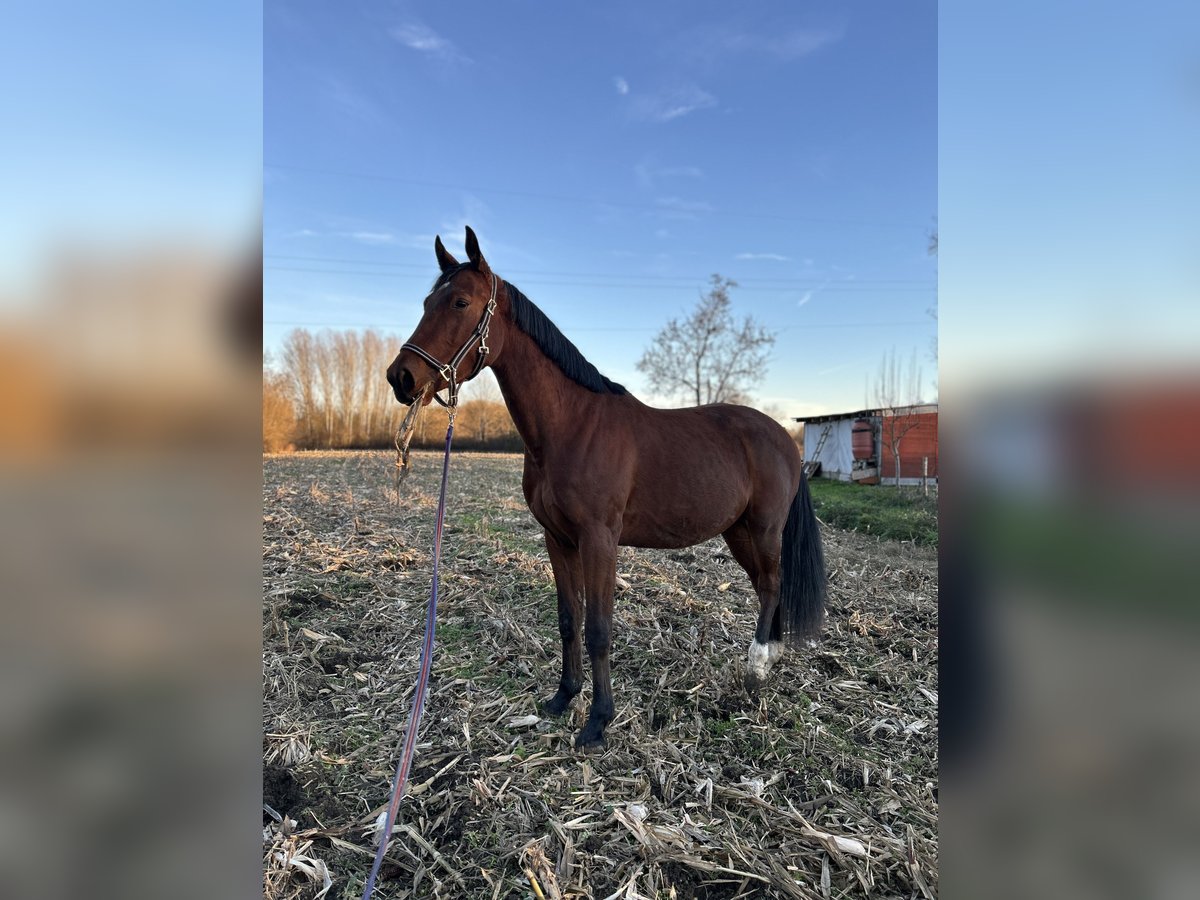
[(460, 303)]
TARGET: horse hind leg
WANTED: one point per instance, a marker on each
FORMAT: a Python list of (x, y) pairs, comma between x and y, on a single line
[(757, 551)]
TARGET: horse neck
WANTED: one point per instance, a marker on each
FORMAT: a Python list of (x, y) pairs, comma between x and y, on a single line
[(544, 403)]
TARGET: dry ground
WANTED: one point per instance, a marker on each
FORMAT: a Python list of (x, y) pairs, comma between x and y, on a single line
[(824, 786)]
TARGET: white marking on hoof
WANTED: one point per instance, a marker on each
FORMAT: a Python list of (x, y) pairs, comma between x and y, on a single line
[(759, 660), (774, 651)]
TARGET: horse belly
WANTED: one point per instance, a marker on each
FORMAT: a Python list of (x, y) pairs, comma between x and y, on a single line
[(680, 513)]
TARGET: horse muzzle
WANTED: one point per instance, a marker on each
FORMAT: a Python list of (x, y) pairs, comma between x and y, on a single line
[(403, 383)]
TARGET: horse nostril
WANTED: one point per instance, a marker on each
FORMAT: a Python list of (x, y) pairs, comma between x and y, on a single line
[(391, 377), (406, 383)]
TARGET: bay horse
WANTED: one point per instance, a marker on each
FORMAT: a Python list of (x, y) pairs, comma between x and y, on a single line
[(604, 470)]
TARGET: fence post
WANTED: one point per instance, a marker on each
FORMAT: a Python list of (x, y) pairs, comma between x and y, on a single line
[(925, 474)]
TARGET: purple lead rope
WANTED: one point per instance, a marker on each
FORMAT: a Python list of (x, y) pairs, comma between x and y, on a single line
[(418, 702)]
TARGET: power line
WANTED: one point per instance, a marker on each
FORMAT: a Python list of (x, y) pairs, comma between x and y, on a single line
[(848, 288), (690, 279), (563, 198)]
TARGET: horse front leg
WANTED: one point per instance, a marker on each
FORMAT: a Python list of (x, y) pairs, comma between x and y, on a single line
[(568, 580), (598, 552)]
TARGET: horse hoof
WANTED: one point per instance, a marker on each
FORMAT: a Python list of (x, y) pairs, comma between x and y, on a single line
[(589, 741), (556, 705), (753, 684)]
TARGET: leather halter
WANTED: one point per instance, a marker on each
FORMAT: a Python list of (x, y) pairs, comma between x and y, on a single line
[(449, 371)]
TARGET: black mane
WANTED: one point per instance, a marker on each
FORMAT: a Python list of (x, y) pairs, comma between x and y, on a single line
[(555, 345)]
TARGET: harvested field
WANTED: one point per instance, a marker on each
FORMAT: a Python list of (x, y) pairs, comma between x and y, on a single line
[(823, 786)]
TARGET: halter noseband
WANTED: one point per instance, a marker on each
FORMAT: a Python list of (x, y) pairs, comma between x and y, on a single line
[(449, 371)]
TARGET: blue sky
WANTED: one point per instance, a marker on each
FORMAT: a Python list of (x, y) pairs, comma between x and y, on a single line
[(610, 158)]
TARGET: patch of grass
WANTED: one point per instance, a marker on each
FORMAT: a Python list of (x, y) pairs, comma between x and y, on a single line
[(353, 586), (720, 727), (480, 525), (452, 636), (469, 670), (880, 510)]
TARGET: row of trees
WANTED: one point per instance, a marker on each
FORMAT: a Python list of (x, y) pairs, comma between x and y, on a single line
[(328, 390)]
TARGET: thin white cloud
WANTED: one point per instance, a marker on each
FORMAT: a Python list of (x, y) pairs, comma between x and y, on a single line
[(713, 42), (674, 103), (424, 39), (372, 238), (678, 204), (808, 295), (774, 257), (800, 43), (622, 85), (372, 234)]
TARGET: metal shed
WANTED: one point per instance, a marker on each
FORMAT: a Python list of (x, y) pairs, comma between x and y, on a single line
[(831, 451)]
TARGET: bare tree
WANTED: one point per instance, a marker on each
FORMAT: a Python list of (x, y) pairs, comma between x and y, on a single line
[(325, 381), (278, 410), (373, 383), (299, 369), (897, 392), (488, 414), (708, 357), (346, 348), (389, 411), (775, 411)]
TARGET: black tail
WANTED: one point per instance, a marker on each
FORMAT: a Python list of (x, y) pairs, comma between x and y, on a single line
[(802, 580)]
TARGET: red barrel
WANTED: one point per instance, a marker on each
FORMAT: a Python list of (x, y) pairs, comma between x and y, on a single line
[(862, 439)]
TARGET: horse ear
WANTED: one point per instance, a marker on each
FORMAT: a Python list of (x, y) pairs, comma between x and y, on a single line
[(473, 253), (445, 260)]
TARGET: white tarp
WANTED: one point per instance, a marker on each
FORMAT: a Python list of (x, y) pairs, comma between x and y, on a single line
[(837, 454)]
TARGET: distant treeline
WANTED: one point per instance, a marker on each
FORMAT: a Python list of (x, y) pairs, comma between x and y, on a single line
[(329, 390)]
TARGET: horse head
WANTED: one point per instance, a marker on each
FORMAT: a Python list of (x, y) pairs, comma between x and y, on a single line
[(455, 338)]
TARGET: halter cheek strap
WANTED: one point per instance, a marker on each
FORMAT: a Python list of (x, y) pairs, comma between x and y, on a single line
[(449, 371)]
